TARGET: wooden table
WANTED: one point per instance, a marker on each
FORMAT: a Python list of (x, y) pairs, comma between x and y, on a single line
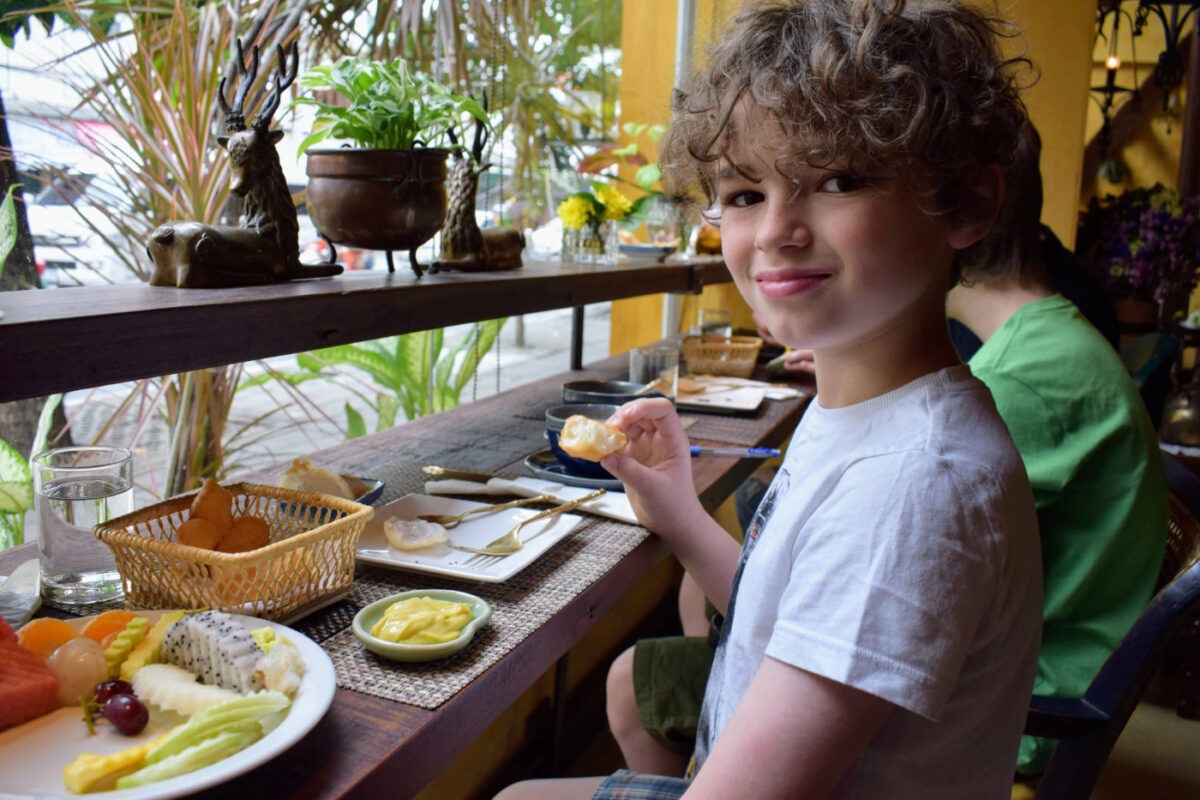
[(366, 746)]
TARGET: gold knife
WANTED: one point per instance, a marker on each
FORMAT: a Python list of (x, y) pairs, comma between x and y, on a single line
[(455, 474)]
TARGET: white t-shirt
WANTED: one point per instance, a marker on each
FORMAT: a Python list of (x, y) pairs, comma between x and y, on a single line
[(897, 552)]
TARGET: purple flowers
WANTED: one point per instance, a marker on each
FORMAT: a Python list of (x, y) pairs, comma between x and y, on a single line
[(1144, 243)]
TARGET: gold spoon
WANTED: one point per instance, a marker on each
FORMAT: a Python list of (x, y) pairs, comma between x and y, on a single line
[(449, 521)]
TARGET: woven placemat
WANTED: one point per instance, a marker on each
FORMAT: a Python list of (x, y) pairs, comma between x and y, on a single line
[(734, 430), (519, 607)]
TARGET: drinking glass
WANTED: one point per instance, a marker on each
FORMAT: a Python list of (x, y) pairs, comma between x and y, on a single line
[(655, 363), (715, 322), (75, 489)]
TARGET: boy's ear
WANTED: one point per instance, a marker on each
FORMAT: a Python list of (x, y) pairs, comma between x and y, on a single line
[(979, 204)]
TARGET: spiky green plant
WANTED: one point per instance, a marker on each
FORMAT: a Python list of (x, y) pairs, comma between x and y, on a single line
[(406, 376)]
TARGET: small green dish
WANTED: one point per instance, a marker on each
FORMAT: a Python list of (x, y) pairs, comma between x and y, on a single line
[(365, 619)]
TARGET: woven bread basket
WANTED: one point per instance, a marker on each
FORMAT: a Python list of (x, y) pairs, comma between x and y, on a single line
[(308, 562), (721, 355)]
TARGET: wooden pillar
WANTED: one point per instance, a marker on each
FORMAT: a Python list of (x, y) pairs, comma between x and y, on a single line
[(1189, 154)]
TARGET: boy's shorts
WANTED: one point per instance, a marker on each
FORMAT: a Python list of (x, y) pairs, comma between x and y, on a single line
[(626, 785), (669, 676)]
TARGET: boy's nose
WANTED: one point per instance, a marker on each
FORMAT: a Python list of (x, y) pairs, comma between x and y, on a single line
[(782, 225)]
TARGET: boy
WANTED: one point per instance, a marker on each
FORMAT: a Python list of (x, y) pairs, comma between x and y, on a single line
[(883, 616), (1085, 438)]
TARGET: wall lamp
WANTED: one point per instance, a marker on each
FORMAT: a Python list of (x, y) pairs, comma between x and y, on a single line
[(1169, 71)]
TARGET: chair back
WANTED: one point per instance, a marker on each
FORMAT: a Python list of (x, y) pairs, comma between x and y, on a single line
[(1150, 359), (1088, 727)]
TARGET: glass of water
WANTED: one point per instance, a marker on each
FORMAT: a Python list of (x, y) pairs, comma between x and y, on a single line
[(75, 489)]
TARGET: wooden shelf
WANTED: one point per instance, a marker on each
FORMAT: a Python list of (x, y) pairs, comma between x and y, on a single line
[(65, 339)]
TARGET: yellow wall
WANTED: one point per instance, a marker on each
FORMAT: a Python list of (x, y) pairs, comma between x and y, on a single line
[(1057, 35)]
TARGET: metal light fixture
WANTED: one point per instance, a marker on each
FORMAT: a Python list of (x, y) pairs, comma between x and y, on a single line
[(1172, 15)]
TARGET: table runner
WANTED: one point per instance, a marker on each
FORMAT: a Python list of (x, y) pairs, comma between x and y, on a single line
[(519, 606)]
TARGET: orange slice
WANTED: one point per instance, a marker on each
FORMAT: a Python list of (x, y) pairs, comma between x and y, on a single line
[(106, 624), (42, 636)]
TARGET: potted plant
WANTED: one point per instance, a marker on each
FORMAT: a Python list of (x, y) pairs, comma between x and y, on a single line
[(1144, 246), (387, 191)]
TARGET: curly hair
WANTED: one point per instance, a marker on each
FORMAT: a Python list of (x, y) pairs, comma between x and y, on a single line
[(913, 90)]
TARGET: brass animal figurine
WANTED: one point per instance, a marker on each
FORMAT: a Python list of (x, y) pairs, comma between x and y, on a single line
[(465, 247), (265, 248)]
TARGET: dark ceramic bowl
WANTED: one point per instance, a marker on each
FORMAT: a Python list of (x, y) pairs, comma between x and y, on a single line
[(609, 392), (556, 417)]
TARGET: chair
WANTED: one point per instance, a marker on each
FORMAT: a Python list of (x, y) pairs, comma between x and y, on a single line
[(1150, 359), (1088, 727)]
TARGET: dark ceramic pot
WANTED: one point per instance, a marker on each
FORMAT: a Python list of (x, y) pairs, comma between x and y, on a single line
[(377, 199)]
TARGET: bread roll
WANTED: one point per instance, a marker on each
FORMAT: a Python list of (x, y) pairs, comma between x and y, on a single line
[(589, 439), (304, 476)]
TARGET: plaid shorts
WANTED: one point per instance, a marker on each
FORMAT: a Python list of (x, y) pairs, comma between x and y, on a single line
[(626, 785)]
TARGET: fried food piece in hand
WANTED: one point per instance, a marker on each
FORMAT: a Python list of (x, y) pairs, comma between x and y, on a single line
[(198, 532), (590, 439), (214, 503), (248, 533)]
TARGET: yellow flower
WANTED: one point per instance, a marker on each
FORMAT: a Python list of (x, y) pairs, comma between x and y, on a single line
[(616, 205), (574, 212)]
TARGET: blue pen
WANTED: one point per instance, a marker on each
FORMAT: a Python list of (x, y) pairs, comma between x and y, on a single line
[(736, 452)]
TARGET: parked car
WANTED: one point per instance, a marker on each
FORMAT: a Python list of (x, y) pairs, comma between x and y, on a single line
[(76, 240)]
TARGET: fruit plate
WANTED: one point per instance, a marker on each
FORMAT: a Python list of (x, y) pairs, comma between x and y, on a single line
[(33, 755)]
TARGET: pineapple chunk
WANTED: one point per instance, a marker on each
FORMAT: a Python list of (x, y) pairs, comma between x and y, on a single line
[(149, 649), (93, 773)]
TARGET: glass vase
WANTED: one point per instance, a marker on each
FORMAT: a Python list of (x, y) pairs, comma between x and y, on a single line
[(612, 243), (570, 245), (591, 243)]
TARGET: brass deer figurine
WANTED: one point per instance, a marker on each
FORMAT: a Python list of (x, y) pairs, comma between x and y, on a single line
[(266, 247), (465, 246)]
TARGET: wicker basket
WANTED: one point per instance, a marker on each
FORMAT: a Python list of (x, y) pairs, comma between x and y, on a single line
[(721, 355), (309, 561)]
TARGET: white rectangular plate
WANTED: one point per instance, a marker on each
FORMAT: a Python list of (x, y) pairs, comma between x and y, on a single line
[(475, 531)]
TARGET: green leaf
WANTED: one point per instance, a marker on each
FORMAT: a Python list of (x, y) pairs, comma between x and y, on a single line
[(8, 225), (16, 481), (356, 427)]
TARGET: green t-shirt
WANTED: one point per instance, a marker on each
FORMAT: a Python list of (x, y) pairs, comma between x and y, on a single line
[(1094, 463)]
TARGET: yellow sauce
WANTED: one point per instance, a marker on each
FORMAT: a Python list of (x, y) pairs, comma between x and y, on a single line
[(422, 620)]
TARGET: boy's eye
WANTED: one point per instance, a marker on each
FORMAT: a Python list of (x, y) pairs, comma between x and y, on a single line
[(839, 184), (740, 199)]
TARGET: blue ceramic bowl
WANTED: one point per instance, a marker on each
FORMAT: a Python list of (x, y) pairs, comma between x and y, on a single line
[(556, 417)]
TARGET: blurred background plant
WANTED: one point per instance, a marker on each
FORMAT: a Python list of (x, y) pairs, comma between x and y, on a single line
[(549, 67), (1143, 244), (16, 481), (412, 375)]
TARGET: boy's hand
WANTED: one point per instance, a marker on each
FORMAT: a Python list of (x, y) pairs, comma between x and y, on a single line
[(656, 464), (799, 361)]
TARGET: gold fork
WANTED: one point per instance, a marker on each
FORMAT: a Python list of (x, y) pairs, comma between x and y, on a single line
[(510, 542), (449, 521)]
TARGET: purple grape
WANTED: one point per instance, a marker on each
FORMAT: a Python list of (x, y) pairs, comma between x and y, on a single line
[(111, 688), (126, 713)]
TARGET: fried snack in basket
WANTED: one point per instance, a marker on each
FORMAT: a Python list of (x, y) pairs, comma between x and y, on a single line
[(305, 476), (589, 439)]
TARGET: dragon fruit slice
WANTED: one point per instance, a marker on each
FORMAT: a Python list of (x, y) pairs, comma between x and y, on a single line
[(218, 648)]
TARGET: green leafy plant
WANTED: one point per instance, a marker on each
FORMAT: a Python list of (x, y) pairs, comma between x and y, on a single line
[(16, 481), (383, 105), (397, 377), (607, 161)]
